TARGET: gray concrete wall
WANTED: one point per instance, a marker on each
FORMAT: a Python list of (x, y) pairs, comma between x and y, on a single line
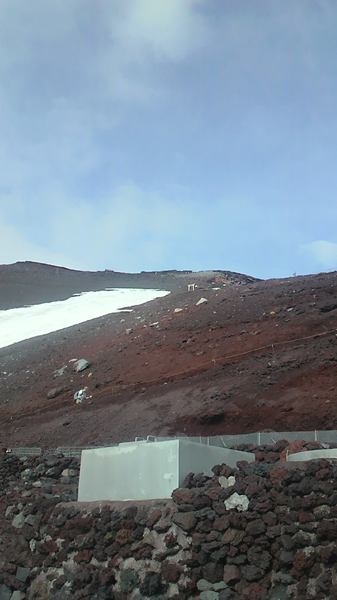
[(311, 454), (147, 470), (132, 471), (200, 458)]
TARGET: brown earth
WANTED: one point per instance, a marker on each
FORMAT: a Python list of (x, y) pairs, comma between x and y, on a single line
[(259, 355)]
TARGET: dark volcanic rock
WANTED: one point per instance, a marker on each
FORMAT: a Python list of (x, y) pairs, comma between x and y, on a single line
[(53, 547)]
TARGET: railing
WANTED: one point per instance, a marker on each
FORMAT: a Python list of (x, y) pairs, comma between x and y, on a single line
[(73, 451), (260, 438), (24, 451)]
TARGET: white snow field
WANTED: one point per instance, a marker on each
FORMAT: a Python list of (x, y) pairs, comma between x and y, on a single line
[(19, 324)]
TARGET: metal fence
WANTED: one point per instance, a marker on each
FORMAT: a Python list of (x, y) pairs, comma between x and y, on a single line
[(25, 451), (260, 438), (73, 451)]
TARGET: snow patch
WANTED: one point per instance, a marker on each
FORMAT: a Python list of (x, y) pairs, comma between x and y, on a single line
[(20, 324)]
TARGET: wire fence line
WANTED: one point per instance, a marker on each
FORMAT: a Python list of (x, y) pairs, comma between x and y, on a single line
[(25, 451), (264, 438), (260, 438)]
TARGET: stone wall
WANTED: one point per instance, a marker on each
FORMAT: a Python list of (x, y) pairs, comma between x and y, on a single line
[(266, 530)]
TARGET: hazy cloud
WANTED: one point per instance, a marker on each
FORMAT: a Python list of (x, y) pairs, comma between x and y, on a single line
[(143, 134), (323, 253), (14, 247), (159, 31), (133, 230)]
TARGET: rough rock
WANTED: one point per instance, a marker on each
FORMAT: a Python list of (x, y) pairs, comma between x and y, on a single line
[(54, 392), (191, 544), (81, 365), (237, 501), (186, 521), (5, 592)]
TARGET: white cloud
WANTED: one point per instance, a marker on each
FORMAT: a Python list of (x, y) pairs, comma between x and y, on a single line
[(69, 77), (96, 51), (159, 30), (96, 94), (132, 230), (145, 36), (323, 253)]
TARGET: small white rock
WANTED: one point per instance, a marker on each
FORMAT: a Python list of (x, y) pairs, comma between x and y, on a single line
[(19, 520), (226, 482), (238, 501)]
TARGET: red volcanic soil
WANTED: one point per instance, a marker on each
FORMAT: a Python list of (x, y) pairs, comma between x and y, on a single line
[(258, 355)]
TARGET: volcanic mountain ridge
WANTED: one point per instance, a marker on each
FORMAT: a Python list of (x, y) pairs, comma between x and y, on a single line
[(251, 356)]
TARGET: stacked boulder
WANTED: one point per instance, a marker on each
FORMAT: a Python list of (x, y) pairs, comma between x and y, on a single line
[(265, 530)]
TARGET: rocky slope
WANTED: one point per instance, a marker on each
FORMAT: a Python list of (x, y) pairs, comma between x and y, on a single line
[(234, 355), (26, 283), (253, 355), (264, 531)]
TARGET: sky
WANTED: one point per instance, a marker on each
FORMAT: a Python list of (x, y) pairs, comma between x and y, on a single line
[(17, 324), (169, 134)]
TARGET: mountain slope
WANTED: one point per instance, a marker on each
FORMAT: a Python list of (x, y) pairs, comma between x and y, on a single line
[(257, 355)]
